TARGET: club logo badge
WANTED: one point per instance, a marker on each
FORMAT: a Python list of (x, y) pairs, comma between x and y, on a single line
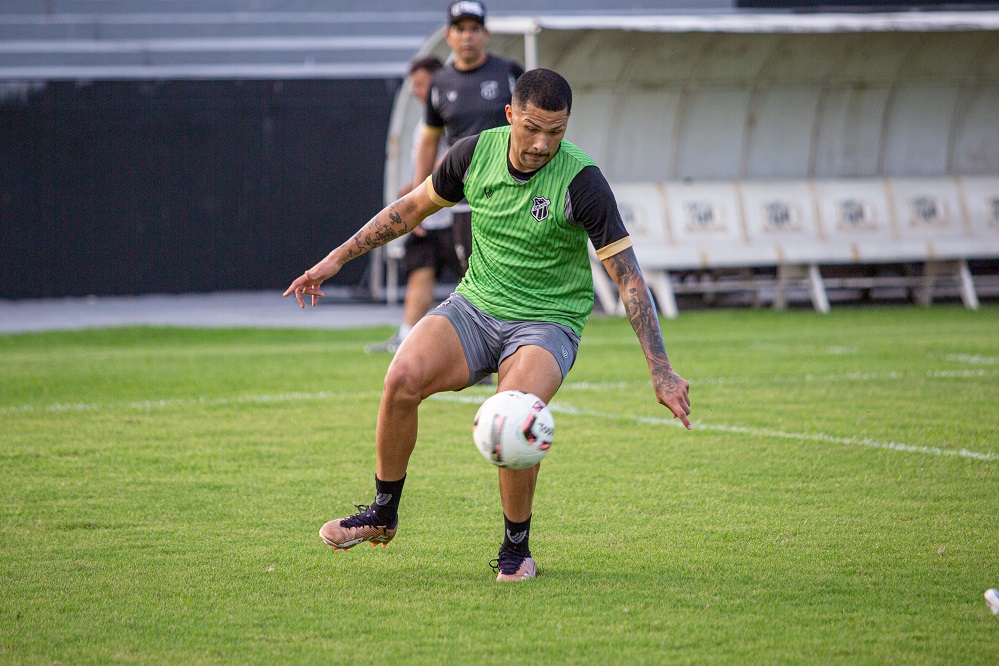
[(488, 191), (489, 89), (539, 209)]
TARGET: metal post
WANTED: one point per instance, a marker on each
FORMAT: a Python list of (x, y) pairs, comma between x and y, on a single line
[(531, 46)]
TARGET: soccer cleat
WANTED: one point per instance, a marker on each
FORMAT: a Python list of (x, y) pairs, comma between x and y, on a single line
[(510, 566), (992, 599), (344, 533), (390, 346)]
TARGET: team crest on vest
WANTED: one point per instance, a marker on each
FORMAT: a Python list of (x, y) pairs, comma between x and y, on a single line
[(489, 89), (539, 209)]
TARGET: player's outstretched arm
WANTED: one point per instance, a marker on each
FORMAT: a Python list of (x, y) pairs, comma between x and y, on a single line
[(394, 220), (671, 389)]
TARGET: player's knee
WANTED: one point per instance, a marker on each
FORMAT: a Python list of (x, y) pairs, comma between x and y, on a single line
[(403, 382)]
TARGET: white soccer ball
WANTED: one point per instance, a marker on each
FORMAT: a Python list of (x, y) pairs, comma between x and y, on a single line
[(513, 429)]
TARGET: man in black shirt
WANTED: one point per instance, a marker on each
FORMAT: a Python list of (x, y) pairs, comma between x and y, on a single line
[(429, 250), (467, 95)]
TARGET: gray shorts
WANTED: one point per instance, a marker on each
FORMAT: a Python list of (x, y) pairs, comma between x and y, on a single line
[(487, 341)]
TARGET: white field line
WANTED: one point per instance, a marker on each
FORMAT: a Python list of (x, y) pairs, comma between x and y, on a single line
[(975, 359), (186, 402), (858, 376), (581, 386), (476, 399), (797, 379), (746, 430)]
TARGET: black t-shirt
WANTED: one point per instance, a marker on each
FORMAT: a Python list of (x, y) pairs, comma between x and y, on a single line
[(465, 103), (590, 203)]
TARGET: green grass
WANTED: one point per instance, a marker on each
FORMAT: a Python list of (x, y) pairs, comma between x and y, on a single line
[(837, 501)]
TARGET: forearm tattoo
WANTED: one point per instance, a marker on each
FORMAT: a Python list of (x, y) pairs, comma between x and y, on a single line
[(387, 225), (639, 307)]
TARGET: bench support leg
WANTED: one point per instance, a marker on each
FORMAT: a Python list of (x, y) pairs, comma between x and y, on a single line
[(784, 274), (820, 301), (662, 289), (956, 270), (968, 294), (810, 274)]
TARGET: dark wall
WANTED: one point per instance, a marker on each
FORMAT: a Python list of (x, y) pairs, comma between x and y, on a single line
[(140, 187)]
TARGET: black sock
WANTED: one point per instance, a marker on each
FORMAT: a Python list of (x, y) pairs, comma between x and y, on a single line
[(387, 494), (517, 537)]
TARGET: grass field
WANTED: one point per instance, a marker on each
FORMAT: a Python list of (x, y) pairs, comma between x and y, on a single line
[(837, 501)]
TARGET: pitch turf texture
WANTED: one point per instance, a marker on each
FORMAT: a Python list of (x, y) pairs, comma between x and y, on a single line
[(837, 501)]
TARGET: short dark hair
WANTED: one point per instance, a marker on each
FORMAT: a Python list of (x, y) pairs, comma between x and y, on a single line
[(430, 63), (543, 88)]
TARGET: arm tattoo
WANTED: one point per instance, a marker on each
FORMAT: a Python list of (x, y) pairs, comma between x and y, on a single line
[(378, 231), (638, 305)]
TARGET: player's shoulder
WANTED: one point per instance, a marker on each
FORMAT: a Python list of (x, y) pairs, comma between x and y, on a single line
[(503, 130), (589, 183), (494, 138), (573, 152), (466, 142), (463, 148)]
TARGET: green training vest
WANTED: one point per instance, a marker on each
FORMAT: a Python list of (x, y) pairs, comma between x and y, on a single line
[(527, 262)]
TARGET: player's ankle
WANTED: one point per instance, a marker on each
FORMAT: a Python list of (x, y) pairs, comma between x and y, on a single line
[(516, 537), (387, 497)]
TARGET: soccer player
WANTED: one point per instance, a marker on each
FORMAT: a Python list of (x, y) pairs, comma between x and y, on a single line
[(521, 306)]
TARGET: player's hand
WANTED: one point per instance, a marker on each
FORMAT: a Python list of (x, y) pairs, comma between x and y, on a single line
[(306, 284), (419, 231), (672, 390)]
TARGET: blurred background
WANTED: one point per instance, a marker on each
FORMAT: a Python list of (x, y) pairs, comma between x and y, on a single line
[(178, 146)]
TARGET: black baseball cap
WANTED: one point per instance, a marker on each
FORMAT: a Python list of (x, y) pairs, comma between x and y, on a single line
[(464, 9)]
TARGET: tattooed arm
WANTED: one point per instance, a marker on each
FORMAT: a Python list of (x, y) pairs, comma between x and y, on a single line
[(396, 219), (671, 389)]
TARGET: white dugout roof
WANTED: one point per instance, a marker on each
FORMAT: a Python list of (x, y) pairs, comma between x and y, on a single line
[(760, 96)]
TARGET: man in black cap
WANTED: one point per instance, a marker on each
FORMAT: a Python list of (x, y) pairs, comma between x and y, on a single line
[(467, 96)]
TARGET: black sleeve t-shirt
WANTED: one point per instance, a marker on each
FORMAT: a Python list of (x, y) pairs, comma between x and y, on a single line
[(466, 103), (590, 203)]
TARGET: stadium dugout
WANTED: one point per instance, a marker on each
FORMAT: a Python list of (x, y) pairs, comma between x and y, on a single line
[(762, 153)]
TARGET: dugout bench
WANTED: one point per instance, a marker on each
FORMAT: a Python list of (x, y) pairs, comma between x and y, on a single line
[(709, 237)]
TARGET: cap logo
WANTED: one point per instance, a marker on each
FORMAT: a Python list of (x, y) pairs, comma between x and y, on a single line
[(467, 8)]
